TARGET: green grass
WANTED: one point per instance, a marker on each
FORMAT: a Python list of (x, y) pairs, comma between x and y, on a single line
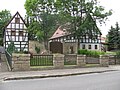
[(92, 65), (90, 52), (110, 53)]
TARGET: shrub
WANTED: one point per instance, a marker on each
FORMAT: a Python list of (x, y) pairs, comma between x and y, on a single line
[(11, 48), (82, 51), (90, 52), (37, 49), (118, 53)]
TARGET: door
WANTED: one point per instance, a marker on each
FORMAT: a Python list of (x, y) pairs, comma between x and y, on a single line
[(56, 47)]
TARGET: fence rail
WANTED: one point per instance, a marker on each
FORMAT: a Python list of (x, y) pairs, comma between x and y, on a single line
[(9, 59), (41, 60)]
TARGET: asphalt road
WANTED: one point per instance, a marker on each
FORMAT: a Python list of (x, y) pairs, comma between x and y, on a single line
[(96, 81)]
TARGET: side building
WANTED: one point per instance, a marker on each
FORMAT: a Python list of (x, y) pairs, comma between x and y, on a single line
[(16, 32), (64, 42)]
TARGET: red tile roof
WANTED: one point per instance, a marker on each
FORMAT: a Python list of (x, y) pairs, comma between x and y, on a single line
[(59, 32)]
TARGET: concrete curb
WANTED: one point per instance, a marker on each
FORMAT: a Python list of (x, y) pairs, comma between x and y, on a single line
[(48, 76)]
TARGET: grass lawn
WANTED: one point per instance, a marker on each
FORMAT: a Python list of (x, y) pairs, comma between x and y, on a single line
[(110, 53), (92, 65)]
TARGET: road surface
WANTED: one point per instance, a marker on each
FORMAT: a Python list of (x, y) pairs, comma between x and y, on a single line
[(96, 81)]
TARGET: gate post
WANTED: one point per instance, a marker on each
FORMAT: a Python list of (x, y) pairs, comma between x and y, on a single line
[(58, 60), (20, 62), (81, 60), (104, 60)]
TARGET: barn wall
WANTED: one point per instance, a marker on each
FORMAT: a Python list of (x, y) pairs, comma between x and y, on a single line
[(67, 46)]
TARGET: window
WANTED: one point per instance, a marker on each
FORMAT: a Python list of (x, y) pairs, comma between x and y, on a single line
[(20, 33), (13, 33), (89, 47), (83, 46), (96, 47), (17, 20)]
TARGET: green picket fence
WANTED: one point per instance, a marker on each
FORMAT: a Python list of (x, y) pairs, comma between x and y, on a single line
[(41, 60)]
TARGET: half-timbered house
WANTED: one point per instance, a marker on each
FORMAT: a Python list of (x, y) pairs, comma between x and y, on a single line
[(16, 31), (64, 42)]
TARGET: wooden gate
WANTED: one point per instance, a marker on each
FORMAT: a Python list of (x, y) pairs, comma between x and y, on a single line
[(56, 47)]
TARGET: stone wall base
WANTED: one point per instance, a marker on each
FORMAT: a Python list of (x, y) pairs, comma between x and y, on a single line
[(20, 62)]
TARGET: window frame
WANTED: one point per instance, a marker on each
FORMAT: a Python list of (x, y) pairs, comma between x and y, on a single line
[(17, 20), (96, 46), (13, 33), (83, 46), (89, 47), (20, 33)]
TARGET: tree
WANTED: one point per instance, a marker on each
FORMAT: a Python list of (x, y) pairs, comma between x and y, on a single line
[(40, 11), (82, 11), (35, 31), (77, 14), (5, 16), (113, 37)]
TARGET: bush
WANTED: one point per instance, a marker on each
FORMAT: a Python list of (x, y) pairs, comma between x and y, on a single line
[(82, 51), (37, 49), (118, 53), (90, 52), (11, 48)]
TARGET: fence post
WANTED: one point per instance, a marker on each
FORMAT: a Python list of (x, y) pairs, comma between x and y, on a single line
[(58, 60), (104, 60), (81, 60), (20, 62)]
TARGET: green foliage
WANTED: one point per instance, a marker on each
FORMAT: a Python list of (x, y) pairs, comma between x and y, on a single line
[(118, 53), (40, 16), (90, 52), (5, 16), (35, 31), (37, 49), (84, 18), (113, 37), (78, 15), (82, 51), (11, 48)]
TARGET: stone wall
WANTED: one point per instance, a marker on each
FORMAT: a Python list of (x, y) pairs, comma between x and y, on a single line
[(20, 62), (3, 64), (32, 47), (104, 60), (81, 60), (58, 61), (66, 47), (70, 57)]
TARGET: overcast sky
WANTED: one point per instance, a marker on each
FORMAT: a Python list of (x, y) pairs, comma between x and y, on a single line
[(18, 5)]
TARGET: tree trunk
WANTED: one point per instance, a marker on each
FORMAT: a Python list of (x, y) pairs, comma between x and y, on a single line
[(78, 44)]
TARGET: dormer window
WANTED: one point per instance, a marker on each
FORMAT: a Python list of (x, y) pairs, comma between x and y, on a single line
[(17, 20)]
